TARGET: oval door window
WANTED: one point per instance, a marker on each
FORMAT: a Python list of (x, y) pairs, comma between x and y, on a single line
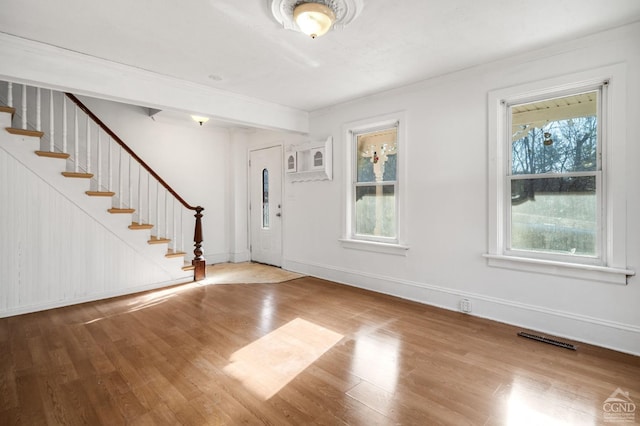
[(265, 198)]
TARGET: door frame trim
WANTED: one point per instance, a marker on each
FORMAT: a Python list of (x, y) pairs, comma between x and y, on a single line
[(260, 147)]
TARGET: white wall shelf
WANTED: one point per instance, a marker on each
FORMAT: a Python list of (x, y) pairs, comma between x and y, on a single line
[(309, 161)]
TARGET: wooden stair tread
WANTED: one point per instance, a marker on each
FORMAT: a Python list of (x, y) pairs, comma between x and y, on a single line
[(171, 253), (100, 193), (136, 226), (7, 109), (118, 211), (49, 154), (156, 240), (62, 155), (77, 175), (24, 132)]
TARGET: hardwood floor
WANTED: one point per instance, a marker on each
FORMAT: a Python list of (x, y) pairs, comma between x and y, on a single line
[(301, 352)]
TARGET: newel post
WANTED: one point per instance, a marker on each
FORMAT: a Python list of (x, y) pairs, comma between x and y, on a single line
[(200, 271)]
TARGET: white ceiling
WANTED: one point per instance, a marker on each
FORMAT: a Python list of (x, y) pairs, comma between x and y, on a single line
[(237, 46)]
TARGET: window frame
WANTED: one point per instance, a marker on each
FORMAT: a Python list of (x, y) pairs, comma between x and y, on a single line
[(350, 239), (611, 265), (598, 174)]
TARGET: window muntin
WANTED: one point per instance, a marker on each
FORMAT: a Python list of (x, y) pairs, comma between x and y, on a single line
[(554, 177), (375, 184)]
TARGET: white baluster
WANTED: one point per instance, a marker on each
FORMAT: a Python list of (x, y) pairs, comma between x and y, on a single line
[(99, 161), (140, 194), (157, 209), (64, 123), (38, 109), (109, 167), (120, 179), (173, 222), (130, 186), (10, 94), (24, 106), (182, 229), (76, 147), (52, 146), (166, 213), (148, 197), (88, 145)]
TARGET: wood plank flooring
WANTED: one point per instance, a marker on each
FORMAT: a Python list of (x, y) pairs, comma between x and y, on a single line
[(301, 352)]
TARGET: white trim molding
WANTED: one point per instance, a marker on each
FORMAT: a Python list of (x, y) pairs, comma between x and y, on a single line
[(565, 269), (43, 306), (582, 328), (398, 244), (612, 267), (374, 246)]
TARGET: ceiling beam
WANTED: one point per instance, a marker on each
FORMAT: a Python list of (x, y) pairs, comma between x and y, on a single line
[(43, 65)]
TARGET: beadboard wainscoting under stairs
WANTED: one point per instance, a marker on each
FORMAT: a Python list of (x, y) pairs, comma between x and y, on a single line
[(62, 244)]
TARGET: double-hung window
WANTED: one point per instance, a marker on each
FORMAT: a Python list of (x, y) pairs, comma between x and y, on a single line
[(556, 177), (374, 203), (375, 184)]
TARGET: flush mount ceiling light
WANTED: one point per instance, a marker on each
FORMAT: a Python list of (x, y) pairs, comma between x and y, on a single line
[(200, 119), (316, 17), (313, 19)]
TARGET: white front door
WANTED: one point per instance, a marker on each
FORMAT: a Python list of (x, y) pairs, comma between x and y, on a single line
[(265, 170)]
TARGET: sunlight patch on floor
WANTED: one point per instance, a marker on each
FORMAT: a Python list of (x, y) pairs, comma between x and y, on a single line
[(528, 404), (145, 300), (376, 360), (268, 364), (246, 273)]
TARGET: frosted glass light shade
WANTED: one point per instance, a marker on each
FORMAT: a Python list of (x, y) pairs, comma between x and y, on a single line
[(314, 19), (200, 119)]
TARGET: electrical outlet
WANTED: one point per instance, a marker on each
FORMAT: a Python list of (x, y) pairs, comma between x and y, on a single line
[(465, 306)]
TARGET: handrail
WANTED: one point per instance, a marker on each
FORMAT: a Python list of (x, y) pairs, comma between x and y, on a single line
[(199, 261), (120, 142)]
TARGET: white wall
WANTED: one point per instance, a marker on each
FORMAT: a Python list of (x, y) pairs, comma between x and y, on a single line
[(447, 151), (60, 247), (237, 196), (192, 159)]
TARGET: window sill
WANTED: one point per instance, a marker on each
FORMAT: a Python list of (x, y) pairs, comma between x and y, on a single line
[(376, 247), (564, 269)]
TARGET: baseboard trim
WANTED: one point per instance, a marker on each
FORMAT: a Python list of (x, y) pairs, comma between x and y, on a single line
[(596, 331), (239, 257), (21, 310), (213, 258)]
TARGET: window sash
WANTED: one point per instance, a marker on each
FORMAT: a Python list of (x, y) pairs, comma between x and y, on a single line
[(599, 253), (600, 256), (355, 184), (370, 237)]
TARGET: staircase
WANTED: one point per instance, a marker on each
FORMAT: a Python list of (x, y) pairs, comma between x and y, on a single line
[(73, 159)]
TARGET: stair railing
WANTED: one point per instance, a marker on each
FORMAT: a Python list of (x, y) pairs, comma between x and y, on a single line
[(137, 189)]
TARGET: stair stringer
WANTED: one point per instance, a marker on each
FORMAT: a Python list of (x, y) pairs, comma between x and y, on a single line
[(48, 261)]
